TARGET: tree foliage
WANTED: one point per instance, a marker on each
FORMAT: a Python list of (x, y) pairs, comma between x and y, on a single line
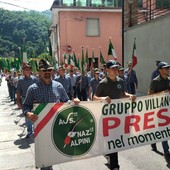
[(18, 28)]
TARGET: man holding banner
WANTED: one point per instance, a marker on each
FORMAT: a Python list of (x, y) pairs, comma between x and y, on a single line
[(112, 87), (23, 84), (45, 90), (161, 84)]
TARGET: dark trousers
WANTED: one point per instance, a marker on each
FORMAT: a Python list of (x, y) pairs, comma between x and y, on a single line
[(113, 160), (74, 91), (165, 146), (131, 88), (69, 95), (10, 90), (15, 89), (82, 94)]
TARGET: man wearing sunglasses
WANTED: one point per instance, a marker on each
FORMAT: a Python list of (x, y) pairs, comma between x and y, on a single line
[(112, 87), (161, 84), (45, 90)]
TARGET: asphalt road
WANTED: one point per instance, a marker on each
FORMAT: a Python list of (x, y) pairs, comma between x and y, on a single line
[(17, 152)]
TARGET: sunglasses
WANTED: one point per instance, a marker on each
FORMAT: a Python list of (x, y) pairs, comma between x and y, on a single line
[(48, 70)]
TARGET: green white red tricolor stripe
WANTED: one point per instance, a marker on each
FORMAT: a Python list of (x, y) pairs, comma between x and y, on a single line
[(47, 117)]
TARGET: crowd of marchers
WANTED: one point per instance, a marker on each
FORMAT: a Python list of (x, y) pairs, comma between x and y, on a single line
[(111, 81)]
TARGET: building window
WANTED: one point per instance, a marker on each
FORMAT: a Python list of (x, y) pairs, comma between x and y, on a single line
[(96, 3), (109, 3), (140, 2), (162, 4), (112, 3), (117, 3), (92, 27)]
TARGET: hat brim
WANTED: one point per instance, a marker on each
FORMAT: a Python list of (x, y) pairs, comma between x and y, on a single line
[(26, 67), (166, 66), (114, 66), (61, 68), (45, 68)]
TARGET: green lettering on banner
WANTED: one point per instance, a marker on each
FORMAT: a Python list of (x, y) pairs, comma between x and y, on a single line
[(133, 106), (168, 131), (141, 138), (120, 108), (166, 100), (132, 140), (117, 143), (164, 133), (112, 109), (162, 102), (105, 109), (149, 137), (127, 107), (154, 103), (147, 104), (158, 135), (157, 103), (140, 106)]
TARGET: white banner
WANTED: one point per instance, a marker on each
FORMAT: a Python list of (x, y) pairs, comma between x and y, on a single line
[(66, 132)]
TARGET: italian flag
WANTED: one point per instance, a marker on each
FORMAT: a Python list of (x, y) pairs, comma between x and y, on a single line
[(111, 50), (134, 56), (65, 61)]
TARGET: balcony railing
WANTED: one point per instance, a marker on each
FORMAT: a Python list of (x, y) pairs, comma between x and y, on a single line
[(149, 10)]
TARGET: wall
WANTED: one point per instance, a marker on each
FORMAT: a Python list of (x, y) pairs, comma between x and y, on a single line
[(152, 43), (72, 31)]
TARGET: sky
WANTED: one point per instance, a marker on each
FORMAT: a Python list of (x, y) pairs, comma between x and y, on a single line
[(20, 5)]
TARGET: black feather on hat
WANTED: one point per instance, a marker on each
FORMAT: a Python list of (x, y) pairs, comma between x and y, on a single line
[(44, 65)]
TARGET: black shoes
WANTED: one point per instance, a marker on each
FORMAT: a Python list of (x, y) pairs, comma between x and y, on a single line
[(153, 146), (167, 157), (29, 135)]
